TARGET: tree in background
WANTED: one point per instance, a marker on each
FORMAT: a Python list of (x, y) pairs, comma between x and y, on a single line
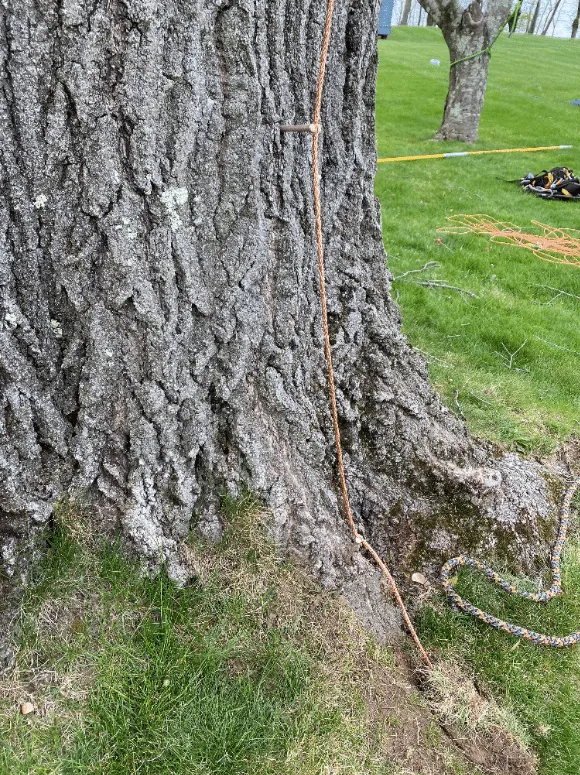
[(160, 316), (534, 19), (576, 22), (551, 16), (405, 14), (468, 32)]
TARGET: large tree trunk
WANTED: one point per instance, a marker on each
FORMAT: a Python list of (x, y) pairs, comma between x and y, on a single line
[(160, 336), (468, 32)]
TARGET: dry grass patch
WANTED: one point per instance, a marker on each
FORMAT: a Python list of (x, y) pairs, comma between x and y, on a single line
[(251, 668)]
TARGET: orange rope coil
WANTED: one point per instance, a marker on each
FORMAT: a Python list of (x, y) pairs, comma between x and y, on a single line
[(559, 246)]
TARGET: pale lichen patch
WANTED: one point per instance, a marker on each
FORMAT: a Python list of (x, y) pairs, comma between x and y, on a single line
[(8, 553), (173, 198), (56, 328), (10, 320)]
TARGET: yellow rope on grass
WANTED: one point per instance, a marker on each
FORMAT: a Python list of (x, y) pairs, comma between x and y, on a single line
[(471, 153)]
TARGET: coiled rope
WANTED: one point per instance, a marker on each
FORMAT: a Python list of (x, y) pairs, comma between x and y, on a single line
[(541, 597), (559, 246)]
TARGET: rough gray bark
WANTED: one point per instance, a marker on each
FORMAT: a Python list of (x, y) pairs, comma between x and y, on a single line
[(467, 31), (160, 333)]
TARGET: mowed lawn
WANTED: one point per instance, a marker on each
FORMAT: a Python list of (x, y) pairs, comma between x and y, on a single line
[(535, 404), (532, 406)]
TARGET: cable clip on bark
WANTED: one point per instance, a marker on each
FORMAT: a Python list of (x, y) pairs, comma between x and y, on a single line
[(312, 129)]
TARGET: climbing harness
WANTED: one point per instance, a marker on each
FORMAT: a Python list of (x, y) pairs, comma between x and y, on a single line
[(315, 130), (557, 183), (541, 597), (471, 153)]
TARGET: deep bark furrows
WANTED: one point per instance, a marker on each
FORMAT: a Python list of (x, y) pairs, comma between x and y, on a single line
[(158, 292)]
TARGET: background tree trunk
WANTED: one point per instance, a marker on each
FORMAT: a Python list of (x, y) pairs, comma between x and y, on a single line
[(551, 17), (465, 97), (467, 32), (534, 22), (160, 336), (406, 11), (576, 22)]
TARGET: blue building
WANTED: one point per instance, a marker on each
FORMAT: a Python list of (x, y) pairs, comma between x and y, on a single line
[(385, 15)]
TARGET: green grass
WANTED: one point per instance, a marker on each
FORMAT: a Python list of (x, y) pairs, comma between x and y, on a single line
[(133, 674), (531, 82), (250, 669), (540, 686), (533, 406)]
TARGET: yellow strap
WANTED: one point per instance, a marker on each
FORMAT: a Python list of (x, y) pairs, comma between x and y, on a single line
[(472, 153)]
